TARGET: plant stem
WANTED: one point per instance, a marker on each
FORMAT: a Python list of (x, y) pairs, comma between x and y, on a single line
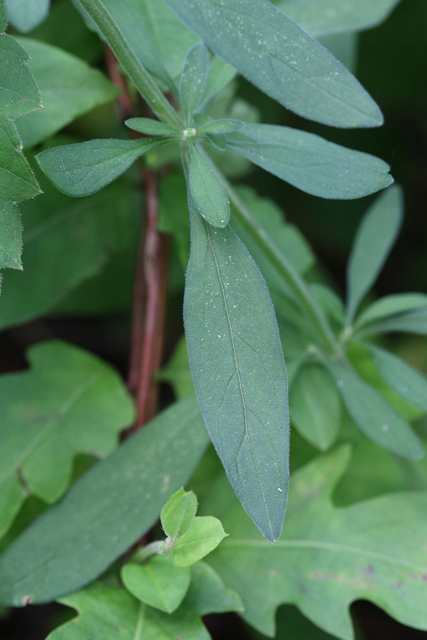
[(130, 63)]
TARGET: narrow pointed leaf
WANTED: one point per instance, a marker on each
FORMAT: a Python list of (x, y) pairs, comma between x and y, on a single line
[(193, 79), (17, 181), (218, 140), (238, 370), (84, 168), (415, 322), (374, 240), (204, 536), (208, 194), (221, 126), (374, 416), (25, 15), (406, 381), (392, 306), (10, 236), (277, 56), (105, 511), (178, 513), (152, 127), (19, 93), (311, 163), (219, 76)]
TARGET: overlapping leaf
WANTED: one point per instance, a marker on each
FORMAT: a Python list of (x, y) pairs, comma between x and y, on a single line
[(19, 93), (364, 551), (207, 193), (25, 15), (68, 402), (17, 181), (392, 305)]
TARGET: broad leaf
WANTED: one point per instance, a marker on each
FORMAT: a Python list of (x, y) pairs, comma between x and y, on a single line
[(11, 236), (208, 593), (68, 402), (53, 230), (158, 582), (84, 168), (193, 79), (105, 511), (365, 551), (415, 322), (335, 16), (315, 405), (69, 88), (311, 163), (178, 513), (374, 239), (238, 370), (406, 381), (206, 191), (374, 416), (152, 127), (392, 305), (25, 15), (112, 612), (203, 536), (19, 93), (281, 59), (17, 181)]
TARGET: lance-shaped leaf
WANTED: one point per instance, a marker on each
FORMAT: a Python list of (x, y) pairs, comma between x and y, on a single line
[(152, 127), (238, 370), (219, 76), (334, 16), (373, 550), (208, 194), (25, 15), (276, 55), (105, 511), (311, 163), (374, 416), (221, 126), (84, 168), (392, 306), (17, 181), (193, 79), (374, 239), (415, 322), (11, 236), (406, 381), (19, 93), (69, 88), (68, 402)]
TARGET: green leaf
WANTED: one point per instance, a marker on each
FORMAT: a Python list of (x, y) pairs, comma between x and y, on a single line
[(17, 181), (11, 236), (68, 402), (392, 305), (158, 582), (105, 511), (203, 536), (415, 322), (3, 17), (219, 76), (19, 93), (193, 79), (315, 405), (238, 370), (329, 301), (178, 513), (374, 240), (111, 612), (223, 125), (152, 127), (53, 230), (344, 47), (311, 163), (177, 371), (374, 416), (208, 593), (335, 16), (84, 168), (406, 381), (25, 15), (69, 88), (325, 554), (207, 192), (277, 56)]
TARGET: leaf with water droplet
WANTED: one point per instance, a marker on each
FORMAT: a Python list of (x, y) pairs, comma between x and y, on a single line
[(208, 194)]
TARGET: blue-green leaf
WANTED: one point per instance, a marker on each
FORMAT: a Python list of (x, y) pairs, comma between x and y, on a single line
[(84, 168), (208, 194), (415, 322), (238, 370), (374, 240), (276, 55), (152, 127), (393, 305), (219, 76), (105, 511), (311, 163), (17, 181), (25, 15), (19, 92), (193, 79), (374, 416), (225, 125)]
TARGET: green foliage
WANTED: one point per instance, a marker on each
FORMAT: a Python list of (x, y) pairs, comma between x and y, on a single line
[(25, 15), (19, 93)]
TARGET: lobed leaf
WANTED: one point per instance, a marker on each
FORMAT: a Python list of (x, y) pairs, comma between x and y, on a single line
[(68, 402), (277, 56), (84, 168), (19, 93), (207, 193), (11, 236), (25, 15), (193, 79), (374, 240), (203, 536), (17, 181), (105, 511), (178, 513), (238, 370), (152, 127), (392, 305), (374, 416), (311, 163)]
